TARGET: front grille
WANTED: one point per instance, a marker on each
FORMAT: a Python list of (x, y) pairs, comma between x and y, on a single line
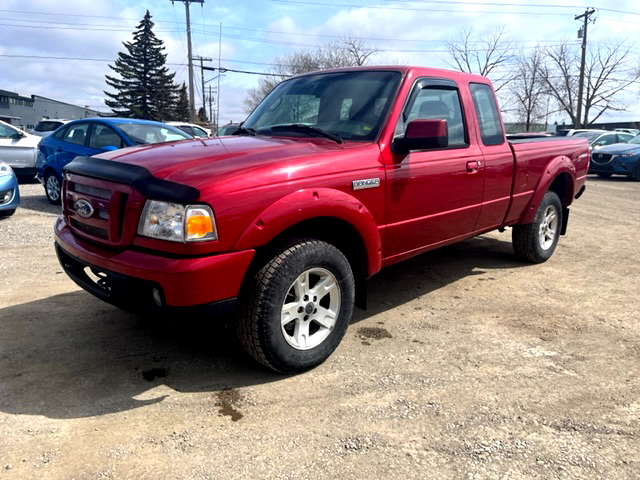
[(100, 210), (91, 191), (601, 158)]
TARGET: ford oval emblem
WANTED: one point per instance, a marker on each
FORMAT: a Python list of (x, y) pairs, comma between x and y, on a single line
[(83, 208)]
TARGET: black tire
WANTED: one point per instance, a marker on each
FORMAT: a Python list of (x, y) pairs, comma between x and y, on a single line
[(260, 327), (53, 184), (636, 173), (604, 174), (535, 242), (7, 213)]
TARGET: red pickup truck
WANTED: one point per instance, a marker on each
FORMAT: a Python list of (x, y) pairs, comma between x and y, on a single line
[(335, 175)]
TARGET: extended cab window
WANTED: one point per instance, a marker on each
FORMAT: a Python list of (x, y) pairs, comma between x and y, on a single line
[(438, 103), (487, 112)]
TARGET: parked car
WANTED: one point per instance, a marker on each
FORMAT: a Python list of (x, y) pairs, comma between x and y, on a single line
[(90, 136), (598, 139), (632, 131), (227, 129), (575, 131), (617, 159), (18, 149), (48, 126), (191, 129), (292, 214), (9, 191)]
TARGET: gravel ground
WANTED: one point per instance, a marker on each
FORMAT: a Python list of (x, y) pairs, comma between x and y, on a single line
[(467, 365)]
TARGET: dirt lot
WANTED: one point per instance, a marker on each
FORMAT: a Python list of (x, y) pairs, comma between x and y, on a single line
[(467, 365)]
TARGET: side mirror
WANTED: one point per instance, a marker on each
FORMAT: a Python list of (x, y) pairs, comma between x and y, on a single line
[(18, 135), (423, 134)]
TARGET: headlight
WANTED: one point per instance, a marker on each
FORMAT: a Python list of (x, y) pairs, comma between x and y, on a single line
[(177, 223), (5, 169), (626, 155)]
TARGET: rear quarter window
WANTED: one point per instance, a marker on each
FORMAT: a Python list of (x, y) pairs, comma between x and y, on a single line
[(487, 113)]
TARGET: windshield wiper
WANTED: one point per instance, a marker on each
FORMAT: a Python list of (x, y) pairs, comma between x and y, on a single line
[(245, 131), (299, 127)]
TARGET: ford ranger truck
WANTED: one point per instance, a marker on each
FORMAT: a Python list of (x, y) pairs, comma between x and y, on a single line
[(335, 175)]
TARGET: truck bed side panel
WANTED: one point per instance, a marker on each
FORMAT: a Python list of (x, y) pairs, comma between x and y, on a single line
[(534, 160)]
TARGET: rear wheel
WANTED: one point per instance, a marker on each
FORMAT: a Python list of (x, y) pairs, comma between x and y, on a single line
[(535, 242), (297, 307), (53, 187)]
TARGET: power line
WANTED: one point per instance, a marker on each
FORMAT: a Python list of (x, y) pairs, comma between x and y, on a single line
[(411, 9)]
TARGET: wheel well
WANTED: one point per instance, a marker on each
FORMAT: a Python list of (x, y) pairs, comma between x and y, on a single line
[(334, 231), (561, 186), (49, 169)]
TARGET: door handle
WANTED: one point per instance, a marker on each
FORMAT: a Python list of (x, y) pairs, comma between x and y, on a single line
[(473, 166)]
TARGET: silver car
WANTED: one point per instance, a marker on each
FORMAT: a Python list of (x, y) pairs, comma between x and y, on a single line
[(18, 149), (48, 126)]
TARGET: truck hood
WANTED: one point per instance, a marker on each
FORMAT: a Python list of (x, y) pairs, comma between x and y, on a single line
[(194, 162)]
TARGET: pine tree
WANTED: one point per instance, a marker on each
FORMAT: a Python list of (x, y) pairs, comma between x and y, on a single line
[(202, 115), (182, 111), (145, 88)]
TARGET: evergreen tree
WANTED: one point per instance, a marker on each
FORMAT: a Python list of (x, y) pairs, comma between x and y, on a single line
[(145, 88), (202, 115), (182, 112)]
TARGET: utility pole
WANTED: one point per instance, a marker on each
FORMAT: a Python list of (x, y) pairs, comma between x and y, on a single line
[(192, 107), (202, 59), (211, 119), (582, 32)]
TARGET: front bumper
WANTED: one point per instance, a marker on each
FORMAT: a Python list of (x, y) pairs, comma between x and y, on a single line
[(615, 165), (135, 280)]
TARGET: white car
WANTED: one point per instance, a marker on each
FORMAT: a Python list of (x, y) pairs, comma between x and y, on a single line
[(632, 131), (191, 129), (47, 126), (18, 149)]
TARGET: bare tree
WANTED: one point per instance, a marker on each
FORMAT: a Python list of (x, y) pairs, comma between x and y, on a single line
[(610, 69), (346, 52), (528, 91), (481, 55)]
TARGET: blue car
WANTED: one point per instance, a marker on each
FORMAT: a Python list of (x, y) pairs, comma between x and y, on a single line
[(9, 192), (617, 159), (90, 136)]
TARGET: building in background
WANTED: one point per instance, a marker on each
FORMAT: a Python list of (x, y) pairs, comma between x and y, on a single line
[(26, 112)]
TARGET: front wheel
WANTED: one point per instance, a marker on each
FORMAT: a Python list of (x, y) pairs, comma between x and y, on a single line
[(53, 188), (604, 174), (297, 307), (535, 242)]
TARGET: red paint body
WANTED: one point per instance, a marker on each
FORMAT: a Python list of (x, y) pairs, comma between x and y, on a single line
[(260, 186)]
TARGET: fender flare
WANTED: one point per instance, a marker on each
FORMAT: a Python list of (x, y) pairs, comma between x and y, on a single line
[(310, 203), (556, 167)]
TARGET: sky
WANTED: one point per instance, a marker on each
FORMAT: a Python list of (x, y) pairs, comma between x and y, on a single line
[(62, 50)]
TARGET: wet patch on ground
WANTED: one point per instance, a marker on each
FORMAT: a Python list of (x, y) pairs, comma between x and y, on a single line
[(228, 400), (372, 333)]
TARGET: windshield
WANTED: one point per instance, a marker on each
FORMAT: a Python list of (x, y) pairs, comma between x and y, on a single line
[(635, 139), (149, 133), (351, 105)]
